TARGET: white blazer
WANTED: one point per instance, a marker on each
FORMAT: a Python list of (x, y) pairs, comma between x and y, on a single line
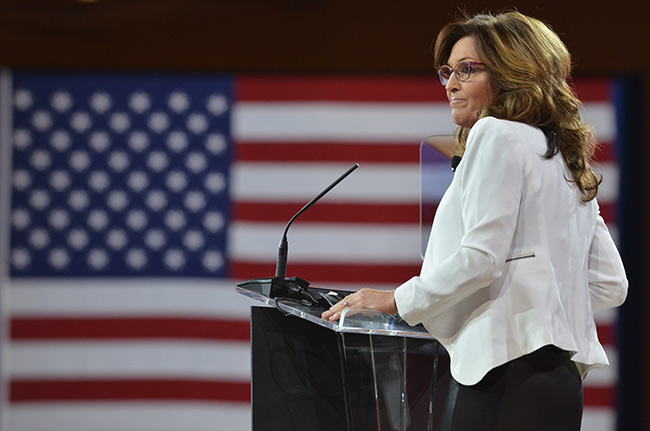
[(515, 260)]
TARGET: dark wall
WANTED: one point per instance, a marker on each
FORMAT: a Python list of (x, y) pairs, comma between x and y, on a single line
[(330, 36)]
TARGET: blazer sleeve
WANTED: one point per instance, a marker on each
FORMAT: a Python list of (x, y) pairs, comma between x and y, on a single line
[(490, 184), (606, 275)]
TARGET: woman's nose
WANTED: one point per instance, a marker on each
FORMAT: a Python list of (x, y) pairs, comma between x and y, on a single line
[(452, 82)]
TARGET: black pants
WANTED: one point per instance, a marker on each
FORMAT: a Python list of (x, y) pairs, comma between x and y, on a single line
[(541, 391)]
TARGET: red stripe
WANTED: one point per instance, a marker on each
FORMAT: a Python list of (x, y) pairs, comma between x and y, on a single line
[(606, 334), (349, 88), (328, 212), (373, 89), (143, 389), (608, 210), (599, 396), (327, 152), (593, 90), (140, 389), (331, 273), (128, 327), (395, 152), (606, 152)]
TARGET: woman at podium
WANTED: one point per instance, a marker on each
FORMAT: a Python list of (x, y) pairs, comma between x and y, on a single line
[(519, 259)]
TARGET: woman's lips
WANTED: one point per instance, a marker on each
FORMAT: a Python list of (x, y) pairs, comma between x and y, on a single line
[(456, 101)]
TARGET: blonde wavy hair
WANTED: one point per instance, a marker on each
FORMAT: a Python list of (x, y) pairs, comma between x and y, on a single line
[(530, 68)]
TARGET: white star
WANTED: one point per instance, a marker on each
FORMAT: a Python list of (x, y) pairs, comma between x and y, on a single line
[(138, 141), (174, 259), (38, 238), (59, 258), (80, 121), (20, 218), (99, 141), (78, 200), (41, 120), (97, 258), (157, 161), (216, 143), (158, 122), (79, 161), (117, 200), (100, 102), (195, 201), (39, 199), (61, 101), (214, 221), (212, 260), (178, 102), (60, 180), (177, 141), (217, 104), (23, 99), (139, 102), (137, 181), (40, 160), (22, 180), (215, 182), (99, 181), (116, 239), (119, 122), (196, 162), (20, 258), (156, 200), (176, 181), (175, 220), (98, 219), (197, 123), (136, 258), (78, 239), (22, 139), (137, 220), (155, 239), (58, 219), (118, 161), (60, 140), (193, 240)]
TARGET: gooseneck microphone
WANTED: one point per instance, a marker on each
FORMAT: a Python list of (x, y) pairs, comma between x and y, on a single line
[(280, 285), (283, 249)]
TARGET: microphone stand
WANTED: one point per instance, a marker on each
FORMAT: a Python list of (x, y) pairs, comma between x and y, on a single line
[(280, 285)]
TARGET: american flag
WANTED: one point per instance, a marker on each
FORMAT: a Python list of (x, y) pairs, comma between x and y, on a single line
[(134, 203)]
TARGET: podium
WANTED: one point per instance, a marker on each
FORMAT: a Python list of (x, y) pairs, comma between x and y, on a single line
[(368, 371)]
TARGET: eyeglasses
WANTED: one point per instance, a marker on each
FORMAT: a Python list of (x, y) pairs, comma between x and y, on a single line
[(463, 71)]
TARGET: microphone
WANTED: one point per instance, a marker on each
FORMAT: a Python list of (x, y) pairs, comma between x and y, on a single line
[(454, 163), (280, 285)]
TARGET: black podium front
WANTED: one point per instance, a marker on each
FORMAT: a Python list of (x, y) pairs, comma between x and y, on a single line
[(369, 371)]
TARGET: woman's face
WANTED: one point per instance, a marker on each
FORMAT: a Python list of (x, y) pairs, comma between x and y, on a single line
[(467, 98)]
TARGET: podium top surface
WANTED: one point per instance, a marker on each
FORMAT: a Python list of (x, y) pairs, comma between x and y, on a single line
[(357, 321)]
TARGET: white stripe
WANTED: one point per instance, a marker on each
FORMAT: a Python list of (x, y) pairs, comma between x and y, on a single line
[(598, 419), (130, 416), (363, 121), (602, 116), (605, 376), (608, 189), (216, 360), (327, 243), (375, 182), (128, 297), (334, 121), (301, 182), (607, 317), (177, 416)]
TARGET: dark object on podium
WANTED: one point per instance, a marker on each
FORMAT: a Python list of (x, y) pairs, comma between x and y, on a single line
[(370, 371)]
